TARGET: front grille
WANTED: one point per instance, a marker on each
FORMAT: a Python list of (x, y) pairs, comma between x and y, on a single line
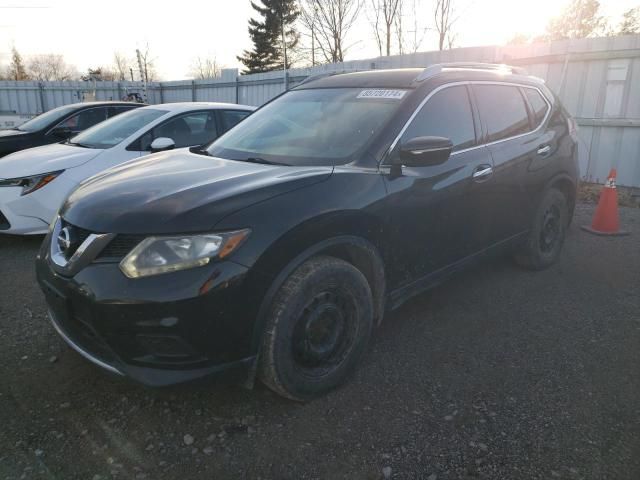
[(116, 249), (80, 235), (120, 246), (4, 222)]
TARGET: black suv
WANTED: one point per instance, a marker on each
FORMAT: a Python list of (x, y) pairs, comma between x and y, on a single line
[(59, 124), (276, 250)]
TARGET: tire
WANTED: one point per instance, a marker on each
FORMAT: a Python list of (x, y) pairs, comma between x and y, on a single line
[(318, 327), (546, 237)]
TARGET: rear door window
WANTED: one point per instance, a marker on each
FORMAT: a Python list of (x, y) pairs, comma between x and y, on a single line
[(446, 114), (188, 130), (538, 105), (503, 111), (113, 111), (85, 119)]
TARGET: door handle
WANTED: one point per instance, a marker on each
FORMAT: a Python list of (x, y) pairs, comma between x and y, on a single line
[(544, 150), (482, 172)]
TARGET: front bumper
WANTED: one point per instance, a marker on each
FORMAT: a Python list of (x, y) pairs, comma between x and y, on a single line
[(31, 214), (158, 330)]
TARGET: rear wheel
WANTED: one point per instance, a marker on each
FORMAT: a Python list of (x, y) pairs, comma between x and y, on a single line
[(319, 325), (547, 234)]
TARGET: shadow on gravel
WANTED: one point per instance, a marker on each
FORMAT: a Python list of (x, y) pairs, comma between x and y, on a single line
[(498, 373)]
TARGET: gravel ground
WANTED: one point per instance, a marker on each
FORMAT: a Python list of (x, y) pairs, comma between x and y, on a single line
[(499, 373)]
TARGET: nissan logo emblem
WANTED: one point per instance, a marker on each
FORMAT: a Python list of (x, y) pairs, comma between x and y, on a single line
[(64, 240)]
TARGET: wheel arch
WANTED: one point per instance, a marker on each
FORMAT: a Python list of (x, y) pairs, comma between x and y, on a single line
[(350, 236), (567, 185)]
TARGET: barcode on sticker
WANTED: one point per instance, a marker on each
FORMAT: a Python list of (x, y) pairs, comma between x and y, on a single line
[(380, 93)]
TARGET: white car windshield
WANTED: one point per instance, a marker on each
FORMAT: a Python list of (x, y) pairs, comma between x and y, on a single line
[(46, 118), (311, 127), (113, 131)]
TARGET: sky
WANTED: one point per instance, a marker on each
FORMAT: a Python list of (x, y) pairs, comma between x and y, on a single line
[(87, 33)]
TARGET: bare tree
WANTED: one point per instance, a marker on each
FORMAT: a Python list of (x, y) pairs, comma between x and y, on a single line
[(385, 13), (579, 19), (148, 64), (334, 19), (50, 67), (398, 27), (309, 20), (374, 21), (519, 39), (444, 20), (418, 32), (630, 22), (203, 68), (100, 74), (121, 66)]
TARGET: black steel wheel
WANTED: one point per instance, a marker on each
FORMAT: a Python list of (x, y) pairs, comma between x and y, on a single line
[(550, 231), (546, 237), (319, 325)]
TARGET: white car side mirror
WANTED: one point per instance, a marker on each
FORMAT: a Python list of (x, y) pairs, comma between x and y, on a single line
[(161, 144)]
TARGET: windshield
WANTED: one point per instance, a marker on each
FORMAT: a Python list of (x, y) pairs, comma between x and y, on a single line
[(45, 119), (310, 127), (113, 131)]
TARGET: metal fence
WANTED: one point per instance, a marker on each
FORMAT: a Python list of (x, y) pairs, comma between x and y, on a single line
[(597, 79)]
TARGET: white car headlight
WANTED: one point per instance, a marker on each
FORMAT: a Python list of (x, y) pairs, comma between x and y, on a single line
[(156, 255), (30, 184)]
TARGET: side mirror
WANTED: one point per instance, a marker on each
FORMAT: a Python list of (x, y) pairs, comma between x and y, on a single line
[(425, 151), (62, 132), (161, 144)]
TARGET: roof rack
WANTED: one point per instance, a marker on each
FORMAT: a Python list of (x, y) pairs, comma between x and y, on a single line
[(316, 76), (433, 70)]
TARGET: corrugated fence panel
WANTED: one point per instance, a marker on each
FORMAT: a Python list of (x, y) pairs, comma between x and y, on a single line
[(181, 91), (629, 155), (597, 80), (19, 97)]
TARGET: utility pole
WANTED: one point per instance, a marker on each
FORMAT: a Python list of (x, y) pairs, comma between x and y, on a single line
[(284, 51), (142, 75), (313, 45), (313, 34)]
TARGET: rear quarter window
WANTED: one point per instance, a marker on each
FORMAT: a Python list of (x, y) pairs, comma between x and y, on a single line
[(539, 106)]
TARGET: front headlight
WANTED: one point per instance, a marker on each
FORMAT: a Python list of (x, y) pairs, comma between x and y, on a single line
[(155, 255), (30, 184)]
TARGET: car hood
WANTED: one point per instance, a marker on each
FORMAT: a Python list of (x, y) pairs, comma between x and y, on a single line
[(9, 134), (45, 159), (180, 191)]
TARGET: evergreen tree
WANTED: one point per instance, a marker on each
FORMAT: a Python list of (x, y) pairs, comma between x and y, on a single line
[(266, 34), (17, 70)]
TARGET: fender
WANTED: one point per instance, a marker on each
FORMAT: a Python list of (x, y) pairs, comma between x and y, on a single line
[(562, 176)]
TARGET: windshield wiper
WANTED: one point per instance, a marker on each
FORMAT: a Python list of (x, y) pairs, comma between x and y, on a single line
[(262, 161), (199, 151), (76, 144)]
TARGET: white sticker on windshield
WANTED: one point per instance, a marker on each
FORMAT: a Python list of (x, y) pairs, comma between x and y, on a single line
[(380, 93)]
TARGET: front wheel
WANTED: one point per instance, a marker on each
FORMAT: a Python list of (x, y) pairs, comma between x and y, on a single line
[(318, 327), (546, 237)]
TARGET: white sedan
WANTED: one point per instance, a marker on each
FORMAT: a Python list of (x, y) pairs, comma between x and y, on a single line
[(35, 182)]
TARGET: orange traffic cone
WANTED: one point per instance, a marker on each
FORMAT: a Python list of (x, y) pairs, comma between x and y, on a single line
[(606, 220)]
